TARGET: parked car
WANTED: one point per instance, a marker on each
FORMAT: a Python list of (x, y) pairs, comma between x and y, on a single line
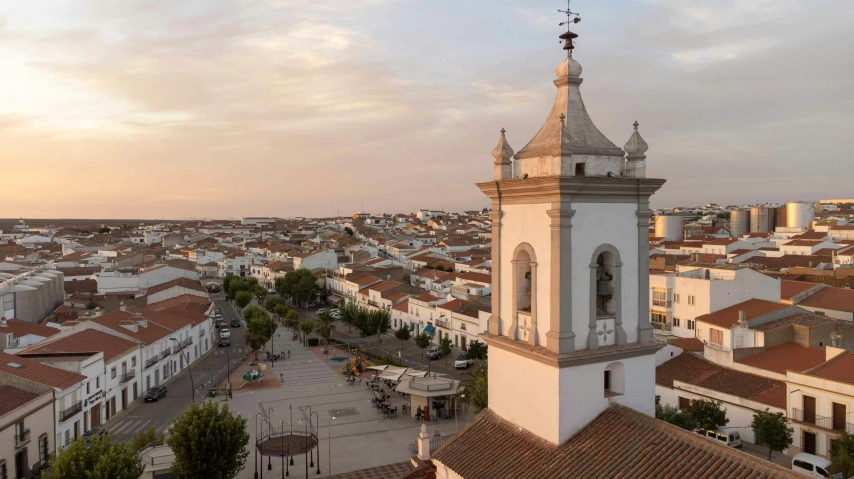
[(435, 352), (810, 466), (94, 433), (224, 333), (463, 361), (322, 310), (155, 394), (729, 437), (219, 323), (224, 342), (235, 323)]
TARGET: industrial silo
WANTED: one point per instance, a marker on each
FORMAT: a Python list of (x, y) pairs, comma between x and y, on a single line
[(43, 299), (669, 227), (800, 214), (761, 219), (780, 217), (27, 303), (739, 223)]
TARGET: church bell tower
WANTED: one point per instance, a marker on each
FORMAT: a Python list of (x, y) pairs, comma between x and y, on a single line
[(569, 330)]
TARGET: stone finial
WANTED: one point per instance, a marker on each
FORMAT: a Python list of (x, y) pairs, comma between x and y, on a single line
[(564, 135), (502, 152), (636, 147)]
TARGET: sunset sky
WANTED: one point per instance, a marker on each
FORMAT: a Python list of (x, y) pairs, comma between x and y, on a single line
[(229, 108)]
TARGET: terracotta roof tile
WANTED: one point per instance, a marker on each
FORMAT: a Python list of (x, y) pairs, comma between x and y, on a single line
[(619, 443), (838, 299), (793, 288), (687, 344), (13, 398), (38, 372), (692, 369), (390, 471), (20, 328), (728, 317), (839, 369), (194, 285), (86, 341), (786, 357)]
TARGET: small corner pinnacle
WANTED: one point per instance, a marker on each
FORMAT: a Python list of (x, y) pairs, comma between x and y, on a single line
[(636, 124), (503, 131)]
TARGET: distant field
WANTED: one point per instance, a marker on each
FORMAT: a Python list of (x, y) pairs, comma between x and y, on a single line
[(8, 223)]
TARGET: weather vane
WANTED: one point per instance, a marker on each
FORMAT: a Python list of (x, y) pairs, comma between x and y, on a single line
[(568, 37)]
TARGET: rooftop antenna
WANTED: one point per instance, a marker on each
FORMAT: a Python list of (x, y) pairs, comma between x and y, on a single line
[(569, 36)]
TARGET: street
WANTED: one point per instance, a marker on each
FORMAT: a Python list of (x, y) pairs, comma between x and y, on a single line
[(161, 414)]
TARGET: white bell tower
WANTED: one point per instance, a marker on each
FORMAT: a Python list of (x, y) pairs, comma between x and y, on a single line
[(569, 330)]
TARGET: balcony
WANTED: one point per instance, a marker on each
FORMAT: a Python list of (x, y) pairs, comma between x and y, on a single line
[(22, 438), (718, 347), (74, 409), (823, 422), (660, 303), (152, 362), (443, 323), (662, 327), (189, 340), (128, 376), (165, 353)]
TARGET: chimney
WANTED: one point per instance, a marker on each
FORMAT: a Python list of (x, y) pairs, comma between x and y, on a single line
[(742, 317), (122, 306), (3, 321), (810, 264)]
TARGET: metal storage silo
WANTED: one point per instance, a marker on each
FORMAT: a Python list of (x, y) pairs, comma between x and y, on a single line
[(739, 223), (761, 220), (800, 214), (43, 301), (26, 303), (669, 227), (780, 217)]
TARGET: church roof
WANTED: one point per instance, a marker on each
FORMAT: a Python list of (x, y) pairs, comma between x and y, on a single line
[(619, 443), (575, 133)]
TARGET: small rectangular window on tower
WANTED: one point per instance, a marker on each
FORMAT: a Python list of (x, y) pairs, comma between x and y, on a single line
[(579, 169), (607, 380)]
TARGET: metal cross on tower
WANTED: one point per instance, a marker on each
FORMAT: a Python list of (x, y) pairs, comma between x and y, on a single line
[(569, 36)]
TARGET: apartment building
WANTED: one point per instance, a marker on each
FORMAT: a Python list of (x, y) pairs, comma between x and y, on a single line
[(26, 428), (678, 298)]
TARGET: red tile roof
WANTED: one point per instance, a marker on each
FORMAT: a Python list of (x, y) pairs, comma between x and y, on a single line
[(687, 344), (37, 372), (13, 398), (20, 328), (839, 369), (692, 369), (191, 284), (793, 288), (837, 299), (619, 443), (86, 341), (786, 357), (728, 317)]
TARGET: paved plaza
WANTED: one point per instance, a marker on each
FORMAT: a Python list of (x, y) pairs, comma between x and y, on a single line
[(360, 437)]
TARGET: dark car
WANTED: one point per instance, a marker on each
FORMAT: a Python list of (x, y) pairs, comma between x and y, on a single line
[(155, 393), (94, 433), (219, 323), (235, 323), (224, 342)]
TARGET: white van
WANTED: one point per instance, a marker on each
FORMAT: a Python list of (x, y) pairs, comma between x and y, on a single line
[(810, 466), (730, 437), (225, 333)]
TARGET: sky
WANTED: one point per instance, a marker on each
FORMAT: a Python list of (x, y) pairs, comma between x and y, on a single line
[(227, 108)]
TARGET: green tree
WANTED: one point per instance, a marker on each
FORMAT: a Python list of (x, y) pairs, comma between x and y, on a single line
[(234, 285), (709, 414), (423, 342), (675, 416), (259, 292), (242, 298), (325, 327), (378, 322), (292, 319), (306, 326), (259, 328), (252, 282), (99, 459), (281, 310), (348, 230), (146, 437), (300, 285), (476, 388), (104, 229), (349, 312), (403, 334), (208, 441), (273, 301), (842, 458), (772, 430), (445, 346), (478, 350)]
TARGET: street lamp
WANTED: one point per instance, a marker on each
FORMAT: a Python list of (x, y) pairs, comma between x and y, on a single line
[(316, 437), (256, 444), (329, 446), (187, 357), (457, 413)]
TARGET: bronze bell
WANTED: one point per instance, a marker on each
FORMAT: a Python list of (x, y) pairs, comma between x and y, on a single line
[(603, 287)]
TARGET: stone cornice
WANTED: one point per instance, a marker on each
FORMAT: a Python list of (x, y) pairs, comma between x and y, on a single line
[(581, 189), (575, 358)]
